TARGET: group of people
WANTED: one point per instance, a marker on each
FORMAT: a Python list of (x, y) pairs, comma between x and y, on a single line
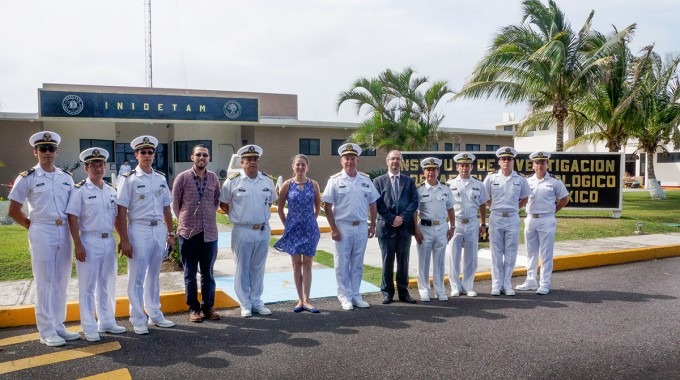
[(443, 218)]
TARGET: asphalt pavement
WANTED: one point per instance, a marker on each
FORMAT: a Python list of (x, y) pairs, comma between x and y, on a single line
[(614, 322)]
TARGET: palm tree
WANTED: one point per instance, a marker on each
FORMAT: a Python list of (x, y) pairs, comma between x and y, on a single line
[(402, 107), (656, 109), (601, 114), (542, 62)]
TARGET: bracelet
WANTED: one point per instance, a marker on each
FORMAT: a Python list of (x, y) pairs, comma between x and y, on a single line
[(171, 234)]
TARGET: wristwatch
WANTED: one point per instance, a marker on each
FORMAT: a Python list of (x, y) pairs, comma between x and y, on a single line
[(171, 234)]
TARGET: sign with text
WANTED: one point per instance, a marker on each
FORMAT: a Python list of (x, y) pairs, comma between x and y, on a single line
[(593, 179), (147, 107)]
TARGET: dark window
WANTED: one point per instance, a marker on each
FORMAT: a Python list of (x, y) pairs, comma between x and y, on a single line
[(434, 147), (448, 147), (368, 152), (310, 147), (335, 145), (508, 128), (492, 148), (106, 144), (183, 149), (472, 147), (667, 158)]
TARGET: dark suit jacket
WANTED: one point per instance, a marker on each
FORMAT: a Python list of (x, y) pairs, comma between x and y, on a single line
[(388, 208)]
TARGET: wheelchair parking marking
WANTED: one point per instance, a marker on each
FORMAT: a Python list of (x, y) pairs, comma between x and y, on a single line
[(57, 357), (119, 374)]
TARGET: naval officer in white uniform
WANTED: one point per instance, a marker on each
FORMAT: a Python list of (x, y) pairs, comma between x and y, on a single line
[(548, 196), (434, 230), (145, 226), (46, 188), (91, 215), (349, 198), (469, 198), (247, 197), (508, 192)]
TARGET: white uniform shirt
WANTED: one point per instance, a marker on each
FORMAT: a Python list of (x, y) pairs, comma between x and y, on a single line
[(144, 195), (47, 193), (94, 207), (505, 191), (124, 169), (434, 201), (350, 196), (468, 195), (248, 199), (544, 194)]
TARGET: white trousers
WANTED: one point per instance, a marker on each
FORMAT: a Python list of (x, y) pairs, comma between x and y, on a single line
[(434, 246), (51, 257), (504, 238), (348, 254), (250, 248), (539, 236), (144, 270), (97, 282), (465, 244)]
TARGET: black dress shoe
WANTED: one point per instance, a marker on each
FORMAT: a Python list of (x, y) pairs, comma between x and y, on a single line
[(387, 300), (407, 298)]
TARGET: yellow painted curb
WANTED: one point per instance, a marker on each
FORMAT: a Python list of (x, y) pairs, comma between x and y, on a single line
[(171, 302)]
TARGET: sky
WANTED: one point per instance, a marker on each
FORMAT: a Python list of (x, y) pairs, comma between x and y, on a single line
[(312, 48)]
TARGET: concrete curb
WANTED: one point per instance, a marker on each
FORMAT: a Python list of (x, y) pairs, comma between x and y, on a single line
[(173, 302)]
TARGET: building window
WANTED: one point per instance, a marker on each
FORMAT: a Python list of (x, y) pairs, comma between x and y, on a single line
[(310, 147), (508, 128), (662, 158), (106, 144), (335, 145), (434, 147), (183, 149), (492, 148), (472, 147), (448, 147), (368, 152)]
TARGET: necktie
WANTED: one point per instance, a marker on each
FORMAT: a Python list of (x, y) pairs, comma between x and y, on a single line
[(395, 187)]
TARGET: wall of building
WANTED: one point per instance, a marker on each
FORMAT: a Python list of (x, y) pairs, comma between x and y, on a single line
[(16, 153)]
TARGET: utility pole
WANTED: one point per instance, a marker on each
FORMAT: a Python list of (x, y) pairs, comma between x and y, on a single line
[(147, 46)]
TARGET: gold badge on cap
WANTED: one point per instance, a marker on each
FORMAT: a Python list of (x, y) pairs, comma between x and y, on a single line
[(95, 153), (432, 161), (47, 136), (540, 155), (508, 151), (145, 140), (349, 148), (251, 149), (465, 156)]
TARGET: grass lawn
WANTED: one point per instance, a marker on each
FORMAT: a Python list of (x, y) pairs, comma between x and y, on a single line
[(15, 261)]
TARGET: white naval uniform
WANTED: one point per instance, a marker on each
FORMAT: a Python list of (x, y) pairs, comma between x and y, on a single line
[(433, 203), (505, 193), (540, 224), (145, 196), (468, 195), (350, 197), (249, 203), (96, 212), (49, 243)]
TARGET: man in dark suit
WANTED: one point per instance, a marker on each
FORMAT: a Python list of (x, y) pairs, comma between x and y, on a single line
[(397, 203)]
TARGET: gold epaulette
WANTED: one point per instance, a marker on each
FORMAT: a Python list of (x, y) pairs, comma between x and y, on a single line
[(111, 185), (270, 176), (363, 174), (336, 174), (67, 172), (128, 174), (159, 172), (234, 175), (27, 172), (81, 183)]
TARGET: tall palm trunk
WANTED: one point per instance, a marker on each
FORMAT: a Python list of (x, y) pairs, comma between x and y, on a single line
[(655, 190)]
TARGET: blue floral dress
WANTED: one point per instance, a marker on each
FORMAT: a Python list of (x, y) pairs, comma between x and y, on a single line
[(301, 233)]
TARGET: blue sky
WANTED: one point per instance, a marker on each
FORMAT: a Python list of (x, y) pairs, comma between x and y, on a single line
[(312, 48)]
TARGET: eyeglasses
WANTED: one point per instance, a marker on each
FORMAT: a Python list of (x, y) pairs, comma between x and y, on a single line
[(47, 148), (506, 158), (146, 152), (201, 155)]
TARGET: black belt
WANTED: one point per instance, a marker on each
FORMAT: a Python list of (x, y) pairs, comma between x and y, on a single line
[(427, 222)]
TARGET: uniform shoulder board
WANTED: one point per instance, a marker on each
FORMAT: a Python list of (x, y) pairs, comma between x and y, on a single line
[(421, 184), (159, 172), (270, 176), (27, 172), (128, 174), (234, 175), (363, 174), (67, 172), (336, 174), (81, 183), (109, 184)]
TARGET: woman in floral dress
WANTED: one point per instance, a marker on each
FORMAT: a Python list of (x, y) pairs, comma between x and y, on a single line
[(301, 232)]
